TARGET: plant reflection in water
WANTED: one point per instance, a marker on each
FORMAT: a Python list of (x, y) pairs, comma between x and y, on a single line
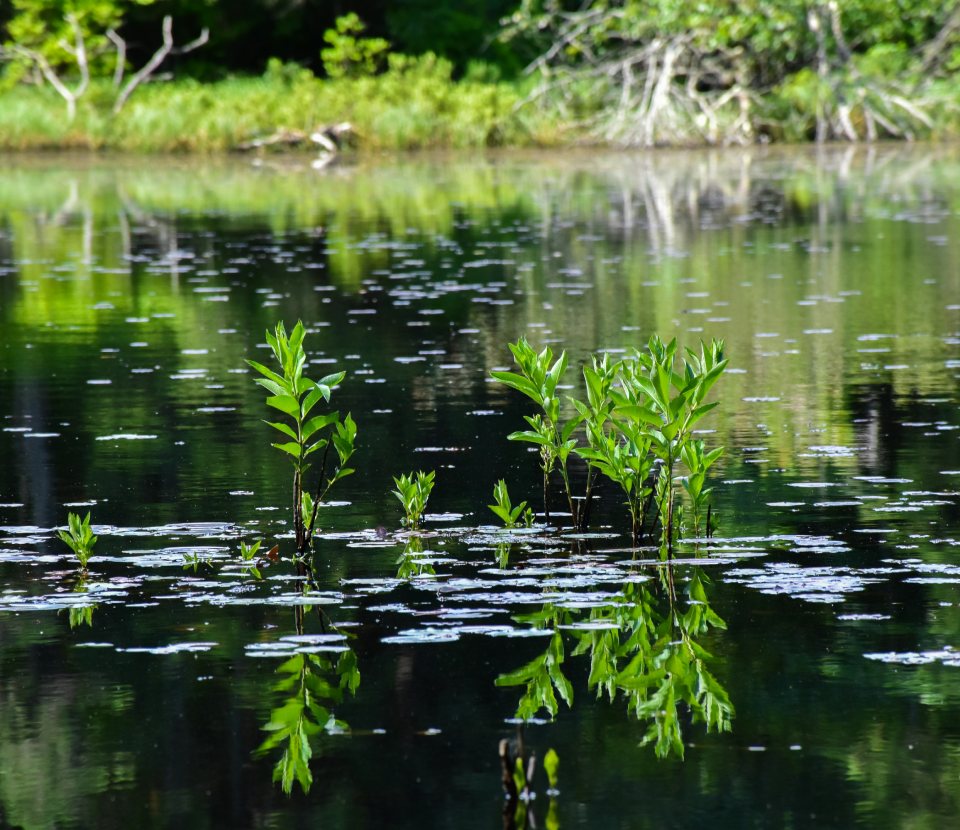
[(518, 770), (80, 611), (313, 680), (413, 560), (644, 648)]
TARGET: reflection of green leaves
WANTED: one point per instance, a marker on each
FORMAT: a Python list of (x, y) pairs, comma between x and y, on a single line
[(411, 561), (551, 766), (643, 650), (311, 684), (542, 676), (81, 613)]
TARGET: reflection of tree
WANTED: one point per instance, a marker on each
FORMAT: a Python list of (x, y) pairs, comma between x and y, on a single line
[(643, 647), (310, 685)]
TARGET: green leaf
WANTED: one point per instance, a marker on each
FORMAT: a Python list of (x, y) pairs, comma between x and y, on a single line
[(291, 448), (520, 383), (284, 428), (285, 403), (319, 422)]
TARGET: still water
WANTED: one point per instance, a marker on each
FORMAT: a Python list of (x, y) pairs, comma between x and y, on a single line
[(822, 620)]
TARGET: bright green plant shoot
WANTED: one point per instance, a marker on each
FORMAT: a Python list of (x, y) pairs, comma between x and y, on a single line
[(538, 379), (675, 403), (504, 509), (296, 397), (413, 492), (79, 537)]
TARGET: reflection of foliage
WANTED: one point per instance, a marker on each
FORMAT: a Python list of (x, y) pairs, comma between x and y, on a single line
[(641, 650), (517, 772), (411, 562), (81, 613), (312, 684), (542, 674)]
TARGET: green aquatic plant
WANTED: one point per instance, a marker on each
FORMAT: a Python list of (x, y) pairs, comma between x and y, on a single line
[(698, 461), (504, 509), (517, 774), (79, 538), (539, 378), (666, 405), (248, 553), (413, 492), (296, 397), (634, 428), (618, 446)]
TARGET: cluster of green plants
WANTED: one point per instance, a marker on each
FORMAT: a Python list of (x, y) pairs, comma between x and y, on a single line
[(635, 429)]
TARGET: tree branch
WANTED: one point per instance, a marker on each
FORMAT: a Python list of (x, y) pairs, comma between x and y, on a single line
[(158, 58), (121, 45)]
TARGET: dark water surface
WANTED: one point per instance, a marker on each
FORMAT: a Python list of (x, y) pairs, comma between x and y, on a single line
[(827, 609)]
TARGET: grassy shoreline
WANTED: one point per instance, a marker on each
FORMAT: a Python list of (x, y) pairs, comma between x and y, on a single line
[(415, 107)]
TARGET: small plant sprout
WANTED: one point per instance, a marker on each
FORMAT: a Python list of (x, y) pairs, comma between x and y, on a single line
[(413, 492), (698, 461), (504, 509), (248, 554), (296, 397), (79, 538)]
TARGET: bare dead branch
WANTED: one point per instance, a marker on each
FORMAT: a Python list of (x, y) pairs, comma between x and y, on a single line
[(158, 58), (121, 45)]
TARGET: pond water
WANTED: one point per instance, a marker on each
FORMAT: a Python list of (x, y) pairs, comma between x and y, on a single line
[(821, 623)]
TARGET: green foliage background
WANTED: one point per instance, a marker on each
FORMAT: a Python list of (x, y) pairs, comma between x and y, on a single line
[(411, 74)]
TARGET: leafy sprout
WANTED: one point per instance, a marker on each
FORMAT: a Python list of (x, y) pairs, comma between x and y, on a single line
[(305, 433), (79, 537), (413, 492)]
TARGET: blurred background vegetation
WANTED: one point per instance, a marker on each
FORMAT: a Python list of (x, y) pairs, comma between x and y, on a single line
[(410, 74)]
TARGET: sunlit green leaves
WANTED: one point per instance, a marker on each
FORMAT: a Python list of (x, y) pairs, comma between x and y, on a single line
[(413, 492), (296, 397), (79, 537), (633, 428), (504, 509)]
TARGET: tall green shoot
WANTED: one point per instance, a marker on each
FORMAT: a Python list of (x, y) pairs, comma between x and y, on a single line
[(296, 397), (674, 404), (79, 538), (538, 379)]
